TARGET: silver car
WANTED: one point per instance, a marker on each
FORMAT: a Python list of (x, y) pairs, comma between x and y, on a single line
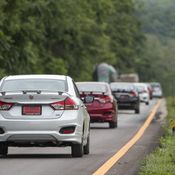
[(42, 110)]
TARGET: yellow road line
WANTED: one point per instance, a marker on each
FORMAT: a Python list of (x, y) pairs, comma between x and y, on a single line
[(109, 163)]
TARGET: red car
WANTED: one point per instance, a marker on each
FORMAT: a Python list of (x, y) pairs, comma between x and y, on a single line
[(103, 108)]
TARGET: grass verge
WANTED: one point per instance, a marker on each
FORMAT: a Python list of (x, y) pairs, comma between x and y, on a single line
[(162, 160)]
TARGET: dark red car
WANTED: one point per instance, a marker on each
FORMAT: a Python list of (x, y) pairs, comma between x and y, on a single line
[(103, 108)]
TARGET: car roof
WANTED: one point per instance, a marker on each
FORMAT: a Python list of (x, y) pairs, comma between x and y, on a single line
[(141, 84), (36, 76), (123, 83), (92, 82)]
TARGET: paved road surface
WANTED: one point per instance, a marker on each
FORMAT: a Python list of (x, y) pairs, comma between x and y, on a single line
[(58, 161)]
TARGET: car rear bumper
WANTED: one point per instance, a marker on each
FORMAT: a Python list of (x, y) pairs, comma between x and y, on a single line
[(102, 117), (29, 131), (144, 99), (157, 95), (127, 105)]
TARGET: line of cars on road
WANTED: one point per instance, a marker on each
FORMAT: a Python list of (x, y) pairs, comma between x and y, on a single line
[(53, 110)]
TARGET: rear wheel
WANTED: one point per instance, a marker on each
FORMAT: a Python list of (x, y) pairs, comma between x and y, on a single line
[(137, 110), (112, 124), (87, 146), (147, 103), (77, 150), (3, 149)]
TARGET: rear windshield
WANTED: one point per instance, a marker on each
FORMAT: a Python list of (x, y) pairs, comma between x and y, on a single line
[(125, 87), (156, 85), (92, 88), (34, 84), (140, 88)]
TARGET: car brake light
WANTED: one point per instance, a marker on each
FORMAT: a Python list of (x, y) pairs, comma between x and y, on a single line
[(5, 106), (58, 105), (105, 99), (70, 104), (67, 104), (133, 94)]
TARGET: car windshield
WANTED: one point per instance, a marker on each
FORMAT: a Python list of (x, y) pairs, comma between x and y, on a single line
[(121, 86), (92, 88), (34, 84)]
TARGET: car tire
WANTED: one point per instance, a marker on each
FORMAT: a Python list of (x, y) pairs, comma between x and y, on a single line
[(112, 124), (3, 149), (77, 150), (87, 146), (147, 103), (137, 110)]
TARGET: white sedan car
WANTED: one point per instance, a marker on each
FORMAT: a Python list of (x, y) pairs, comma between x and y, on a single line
[(143, 91), (42, 110)]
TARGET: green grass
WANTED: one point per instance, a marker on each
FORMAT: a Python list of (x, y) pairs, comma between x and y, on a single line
[(162, 160)]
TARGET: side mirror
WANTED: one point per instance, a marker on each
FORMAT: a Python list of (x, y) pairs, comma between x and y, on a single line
[(88, 99)]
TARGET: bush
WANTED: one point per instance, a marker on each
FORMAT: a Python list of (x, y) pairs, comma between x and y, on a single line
[(162, 160)]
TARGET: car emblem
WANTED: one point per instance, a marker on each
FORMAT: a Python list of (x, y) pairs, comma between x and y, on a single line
[(31, 97)]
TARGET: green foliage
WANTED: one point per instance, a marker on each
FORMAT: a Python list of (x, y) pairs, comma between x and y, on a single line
[(126, 36), (157, 61), (162, 161), (67, 37)]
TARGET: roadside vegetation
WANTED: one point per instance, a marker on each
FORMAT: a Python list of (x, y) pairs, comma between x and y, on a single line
[(162, 160), (71, 37), (68, 37), (157, 61)]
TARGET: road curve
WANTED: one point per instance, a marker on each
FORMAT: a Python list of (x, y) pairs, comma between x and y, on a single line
[(105, 143)]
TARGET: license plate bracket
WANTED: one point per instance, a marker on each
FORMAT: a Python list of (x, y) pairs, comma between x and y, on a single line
[(31, 110)]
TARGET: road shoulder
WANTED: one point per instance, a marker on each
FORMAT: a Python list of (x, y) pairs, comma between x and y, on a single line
[(131, 162)]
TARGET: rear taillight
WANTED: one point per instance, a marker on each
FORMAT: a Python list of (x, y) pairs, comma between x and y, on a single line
[(5, 106), (106, 99), (67, 104), (70, 104), (133, 94), (58, 105)]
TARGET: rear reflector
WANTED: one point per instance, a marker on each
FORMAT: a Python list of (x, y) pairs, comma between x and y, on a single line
[(4, 106), (67, 130)]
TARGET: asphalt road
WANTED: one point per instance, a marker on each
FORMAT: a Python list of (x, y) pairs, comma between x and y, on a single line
[(105, 142)]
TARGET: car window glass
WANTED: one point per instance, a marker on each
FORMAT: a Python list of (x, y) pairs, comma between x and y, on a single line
[(92, 87), (126, 87), (76, 90), (34, 84)]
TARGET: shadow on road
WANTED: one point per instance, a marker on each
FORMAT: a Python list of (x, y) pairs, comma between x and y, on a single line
[(129, 112), (100, 127), (37, 156)]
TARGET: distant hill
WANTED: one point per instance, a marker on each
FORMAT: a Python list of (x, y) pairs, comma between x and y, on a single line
[(157, 61), (158, 17)]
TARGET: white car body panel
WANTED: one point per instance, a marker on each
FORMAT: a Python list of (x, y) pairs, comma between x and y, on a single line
[(19, 128), (144, 94)]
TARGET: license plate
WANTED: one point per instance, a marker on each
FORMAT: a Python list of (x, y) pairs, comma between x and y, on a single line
[(31, 110), (123, 97)]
